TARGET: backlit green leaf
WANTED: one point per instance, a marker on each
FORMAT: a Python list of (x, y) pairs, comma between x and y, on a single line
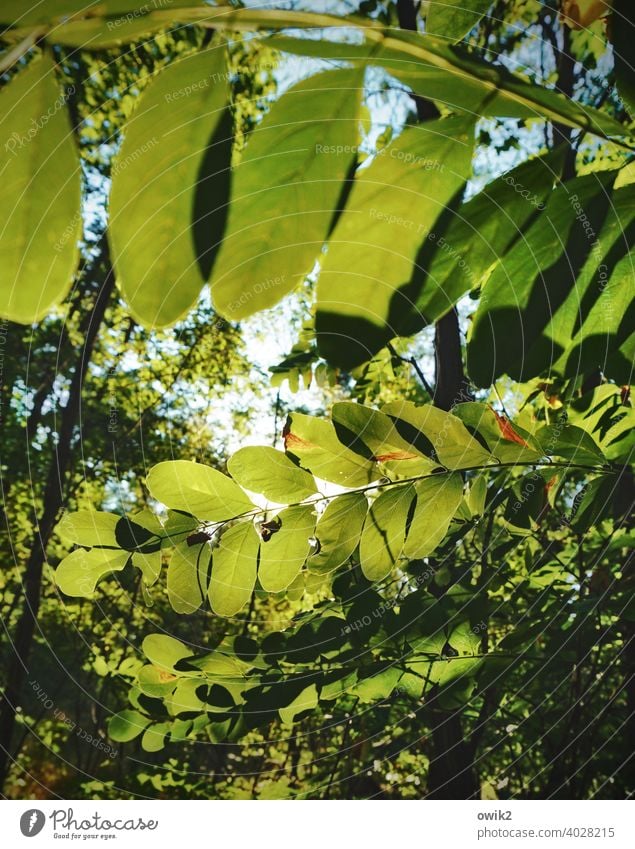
[(439, 71), (234, 569), (164, 651), (516, 329), (78, 573), (89, 528), (307, 700), (449, 439), (40, 214), (338, 532), (286, 192), (170, 188), (370, 275), (285, 553), (198, 489), (367, 431), (452, 19), (438, 499), (149, 564), (187, 576), (384, 532), (464, 248), (315, 444), (271, 473), (126, 725)]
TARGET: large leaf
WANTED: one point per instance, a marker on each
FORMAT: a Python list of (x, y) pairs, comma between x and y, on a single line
[(40, 214), (434, 69), (384, 532), (89, 528), (234, 569), (314, 443), (164, 651), (170, 188), (507, 443), (338, 532), (78, 573), (271, 473), (570, 442), (438, 499), (285, 553), (452, 19), (371, 273), (372, 433), (467, 243), (287, 191), (188, 576), (198, 489), (513, 331), (450, 441), (126, 725), (594, 325), (22, 14), (149, 564)]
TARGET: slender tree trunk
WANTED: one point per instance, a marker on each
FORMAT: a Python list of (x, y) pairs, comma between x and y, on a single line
[(407, 16), (53, 500)]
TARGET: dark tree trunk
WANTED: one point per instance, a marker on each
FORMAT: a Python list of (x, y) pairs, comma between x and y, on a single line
[(407, 15), (451, 385), (53, 500)]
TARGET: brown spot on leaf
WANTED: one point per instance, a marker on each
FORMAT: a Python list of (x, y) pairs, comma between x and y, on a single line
[(395, 455), (507, 431)]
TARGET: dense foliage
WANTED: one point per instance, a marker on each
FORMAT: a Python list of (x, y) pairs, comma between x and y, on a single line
[(398, 564)]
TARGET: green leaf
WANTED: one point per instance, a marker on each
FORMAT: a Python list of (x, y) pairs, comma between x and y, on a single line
[(449, 439), (153, 739), (170, 188), (372, 432), (452, 19), (338, 532), (126, 725), (307, 700), (271, 473), (286, 192), (89, 528), (40, 215), (384, 532), (515, 330), (234, 569), (285, 553), (483, 423), (198, 489), (477, 494), (377, 687), (570, 442), (460, 80), (314, 443), (178, 525), (373, 250), (164, 651), (438, 499), (133, 536), (187, 577), (149, 563), (593, 325), (78, 573), (19, 13), (469, 243)]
